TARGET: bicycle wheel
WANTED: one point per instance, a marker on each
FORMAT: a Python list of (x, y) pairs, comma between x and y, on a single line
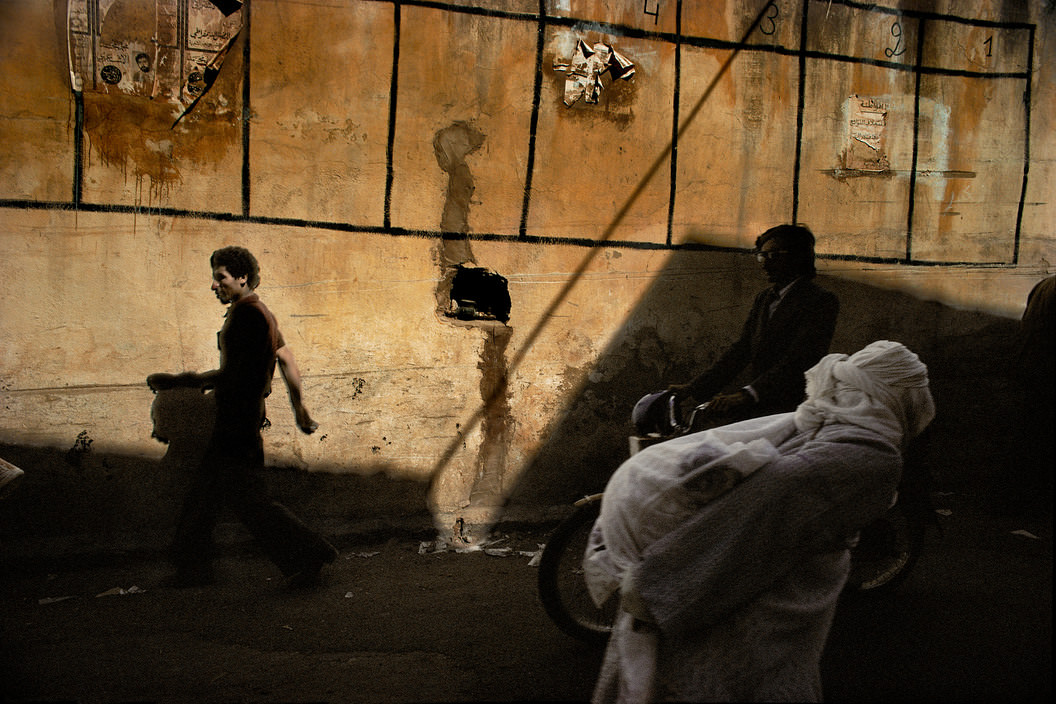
[(562, 587), (887, 550)]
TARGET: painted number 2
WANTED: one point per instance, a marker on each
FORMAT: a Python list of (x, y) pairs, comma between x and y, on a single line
[(898, 49)]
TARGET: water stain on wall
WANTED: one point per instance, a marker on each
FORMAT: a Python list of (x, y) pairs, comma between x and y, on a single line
[(496, 424), (135, 135), (452, 145), (477, 300)]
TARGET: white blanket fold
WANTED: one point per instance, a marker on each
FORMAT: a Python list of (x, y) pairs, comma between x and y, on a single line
[(661, 486)]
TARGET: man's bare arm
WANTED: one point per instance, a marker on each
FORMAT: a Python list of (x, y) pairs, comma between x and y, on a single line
[(292, 376)]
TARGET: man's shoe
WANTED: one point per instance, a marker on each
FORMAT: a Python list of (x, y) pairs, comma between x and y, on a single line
[(311, 576), (190, 577)]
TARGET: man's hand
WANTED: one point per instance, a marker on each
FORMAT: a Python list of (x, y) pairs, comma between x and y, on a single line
[(161, 382), (164, 382), (304, 420), (679, 390), (725, 404)]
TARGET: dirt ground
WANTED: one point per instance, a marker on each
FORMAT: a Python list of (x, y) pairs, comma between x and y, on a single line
[(389, 623), (395, 621)]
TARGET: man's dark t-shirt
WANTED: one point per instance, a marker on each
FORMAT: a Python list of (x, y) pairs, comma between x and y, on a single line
[(248, 341)]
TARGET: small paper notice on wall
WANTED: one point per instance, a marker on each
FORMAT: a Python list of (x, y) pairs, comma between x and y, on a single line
[(867, 134), (583, 73)]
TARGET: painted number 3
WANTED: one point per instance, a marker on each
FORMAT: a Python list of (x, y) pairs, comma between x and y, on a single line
[(769, 25), (898, 49)]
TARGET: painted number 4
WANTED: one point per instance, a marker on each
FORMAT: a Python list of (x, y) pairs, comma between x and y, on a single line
[(655, 13)]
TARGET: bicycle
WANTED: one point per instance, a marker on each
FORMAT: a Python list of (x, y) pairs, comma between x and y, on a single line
[(886, 551)]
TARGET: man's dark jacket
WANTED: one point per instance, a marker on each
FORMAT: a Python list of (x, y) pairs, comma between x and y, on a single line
[(776, 351)]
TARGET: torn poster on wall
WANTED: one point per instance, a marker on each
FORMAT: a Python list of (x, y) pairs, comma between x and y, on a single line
[(167, 49), (866, 129), (584, 72)]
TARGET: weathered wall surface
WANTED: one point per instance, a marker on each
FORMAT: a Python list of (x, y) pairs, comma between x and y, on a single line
[(364, 149)]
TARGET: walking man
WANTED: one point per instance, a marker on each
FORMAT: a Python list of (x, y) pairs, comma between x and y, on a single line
[(250, 346)]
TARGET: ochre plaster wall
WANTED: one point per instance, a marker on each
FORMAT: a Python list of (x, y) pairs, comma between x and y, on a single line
[(319, 147)]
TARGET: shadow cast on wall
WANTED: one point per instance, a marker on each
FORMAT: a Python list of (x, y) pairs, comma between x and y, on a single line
[(81, 501), (696, 307), (85, 500)]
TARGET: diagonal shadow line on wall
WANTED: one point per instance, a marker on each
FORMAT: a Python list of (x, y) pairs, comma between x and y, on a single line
[(577, 274), (970, 356)]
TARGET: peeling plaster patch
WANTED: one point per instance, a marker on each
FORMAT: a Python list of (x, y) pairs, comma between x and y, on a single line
[(497, 420), (615, 104), (162, 147), (585, 70), (866, 120), (307, 121), (940, 135), (452, 145), (935, 138), (169, 49), (479, 300), (466, 293)]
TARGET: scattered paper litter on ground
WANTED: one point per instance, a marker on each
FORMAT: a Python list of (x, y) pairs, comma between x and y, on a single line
[(118, 591), (52, 599)]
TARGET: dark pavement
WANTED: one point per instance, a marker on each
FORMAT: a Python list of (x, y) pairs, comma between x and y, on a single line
[(391, 624)]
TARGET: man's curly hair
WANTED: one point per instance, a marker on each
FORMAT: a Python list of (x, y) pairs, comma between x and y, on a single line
[(238, 261)]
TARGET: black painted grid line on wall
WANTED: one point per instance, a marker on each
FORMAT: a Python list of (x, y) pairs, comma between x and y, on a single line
[(394, 85), (922, 31), (1027, 95), (544, 20), (800, 103), (246, 113), (533, 125), (673, 180)]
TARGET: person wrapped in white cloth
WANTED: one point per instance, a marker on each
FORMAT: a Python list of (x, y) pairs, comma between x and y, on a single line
[(729, 547)]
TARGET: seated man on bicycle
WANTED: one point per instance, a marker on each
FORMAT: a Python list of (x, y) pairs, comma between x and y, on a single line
[(730, 547)]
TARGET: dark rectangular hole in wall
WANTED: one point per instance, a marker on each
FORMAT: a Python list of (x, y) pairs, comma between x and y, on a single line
[(479, 294)]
